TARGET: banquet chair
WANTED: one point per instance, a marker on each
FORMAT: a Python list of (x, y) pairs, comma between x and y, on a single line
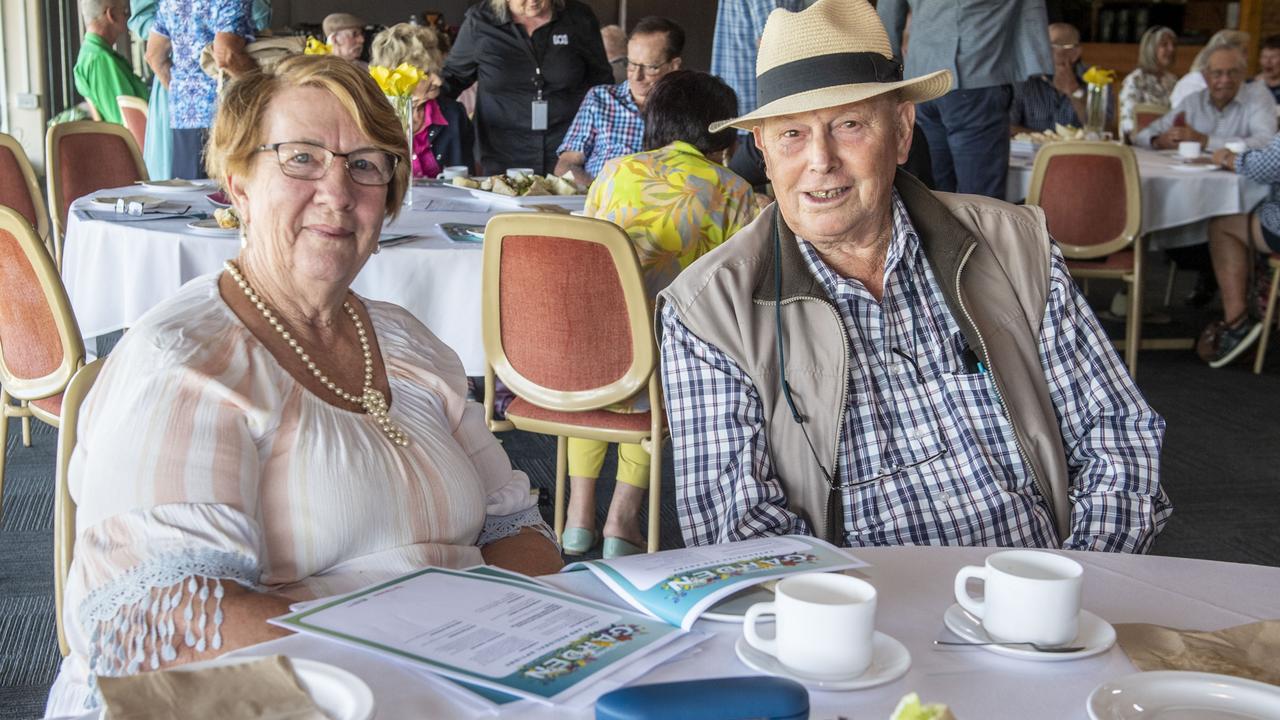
[(1268, 317), (19, 188), (40, 342), (83, 157), (64, 507), (567, 326), (1092, 201), (133, 114), (1146, 113)]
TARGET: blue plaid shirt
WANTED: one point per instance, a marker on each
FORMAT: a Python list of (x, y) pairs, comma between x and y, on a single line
[(608, 125), (1263, 165), (739, 25), (926, 447), (190, 25)]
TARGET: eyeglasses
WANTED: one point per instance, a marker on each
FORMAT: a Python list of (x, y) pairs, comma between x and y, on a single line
[(1065, 46), (306, 161), (642, 68)]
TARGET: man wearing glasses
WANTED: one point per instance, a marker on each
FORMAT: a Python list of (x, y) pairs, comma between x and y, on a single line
[(608, 124), (1042, 101)]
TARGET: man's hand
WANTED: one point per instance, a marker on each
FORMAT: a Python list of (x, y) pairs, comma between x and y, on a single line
[(1225, 159), (1064, 78), (574, 163), (229, 53), (1170, 138)]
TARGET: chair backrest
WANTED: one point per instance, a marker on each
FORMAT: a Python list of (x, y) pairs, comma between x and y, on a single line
[(133, 113), (1090, 194), (1144, 114), (64, 507), (82, 157), (565, 316), (19, 188), (40, 342)]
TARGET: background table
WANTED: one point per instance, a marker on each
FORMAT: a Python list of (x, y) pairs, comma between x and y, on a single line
[(915, 588), (1176, 204), (115, 272)]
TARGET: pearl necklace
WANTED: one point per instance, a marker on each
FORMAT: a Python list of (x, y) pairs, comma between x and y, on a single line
[(370, 399)]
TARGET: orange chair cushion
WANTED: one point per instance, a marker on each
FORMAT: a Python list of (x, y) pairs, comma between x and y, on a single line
[(630, 422), (51, 405), (1122, 260), (14, 191), (563, 314), (28, 333), (89, 162), (1083, 197)]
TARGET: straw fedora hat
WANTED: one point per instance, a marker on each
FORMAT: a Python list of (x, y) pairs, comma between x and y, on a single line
[(835, 52)]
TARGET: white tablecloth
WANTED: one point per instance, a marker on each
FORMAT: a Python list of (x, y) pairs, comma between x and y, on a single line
[(1176, 204), (116, 272), (915, 588)]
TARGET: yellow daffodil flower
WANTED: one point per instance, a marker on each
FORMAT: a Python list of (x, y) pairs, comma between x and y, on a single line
[(315, 47), (397, 82), (1098, 76)]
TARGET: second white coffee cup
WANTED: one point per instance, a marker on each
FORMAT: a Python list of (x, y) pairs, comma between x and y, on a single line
[(1028, 596), (1189, 149), (824, 626)]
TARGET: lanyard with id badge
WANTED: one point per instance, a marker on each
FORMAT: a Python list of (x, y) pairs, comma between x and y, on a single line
[(538, 107)]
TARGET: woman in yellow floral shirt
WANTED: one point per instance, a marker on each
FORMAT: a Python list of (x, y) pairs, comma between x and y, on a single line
[(677, 201)]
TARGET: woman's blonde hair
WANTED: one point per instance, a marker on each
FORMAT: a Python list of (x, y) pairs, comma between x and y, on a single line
[(1147, 49), (1223, 38), (238, 127), (503, 11), (417, 45)]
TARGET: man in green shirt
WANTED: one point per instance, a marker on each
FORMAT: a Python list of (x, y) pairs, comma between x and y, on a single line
[(101, 73)]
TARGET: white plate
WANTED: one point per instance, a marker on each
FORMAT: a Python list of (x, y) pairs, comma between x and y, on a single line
[(210, 227), (1194, 168), (1095, 635), (175, 185), (1174, 695), (572, 202), (890, 660), (148, 202), (338, 693), (733, 608)]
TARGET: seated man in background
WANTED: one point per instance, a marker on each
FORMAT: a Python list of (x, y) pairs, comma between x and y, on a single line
[(345, 34), (608, 124), (1040, 101), (1269, 64), (877, 364), (1218, 114), (101, 73), (615, 49)]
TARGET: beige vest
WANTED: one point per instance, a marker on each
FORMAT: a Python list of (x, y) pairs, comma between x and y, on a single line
[(992, 259)]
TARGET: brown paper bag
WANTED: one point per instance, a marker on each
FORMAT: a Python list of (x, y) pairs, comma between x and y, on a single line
[(263, 689), (1246, 651)]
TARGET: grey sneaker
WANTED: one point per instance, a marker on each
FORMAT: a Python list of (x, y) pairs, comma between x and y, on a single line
[(1234, 340)]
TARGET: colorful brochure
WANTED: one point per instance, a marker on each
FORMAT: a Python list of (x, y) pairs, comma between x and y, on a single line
[(677, 586), (513, 636)]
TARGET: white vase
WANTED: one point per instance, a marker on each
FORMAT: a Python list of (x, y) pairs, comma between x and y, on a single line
[(403, 105)]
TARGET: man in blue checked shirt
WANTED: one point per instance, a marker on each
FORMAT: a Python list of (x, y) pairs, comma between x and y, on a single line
[(609, 122), (874, 363)]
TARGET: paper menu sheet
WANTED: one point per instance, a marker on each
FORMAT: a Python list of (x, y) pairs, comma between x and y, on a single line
[(679, 585), (499, 633)]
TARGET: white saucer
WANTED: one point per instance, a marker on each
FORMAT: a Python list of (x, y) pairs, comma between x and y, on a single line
[(1189, 168), (338, 693), (211, 228), (890, 660), (1175, 694), (148, 202), (1095, 635), (175, 185)]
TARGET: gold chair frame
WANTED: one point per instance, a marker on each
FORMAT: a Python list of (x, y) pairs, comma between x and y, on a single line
[(130, 102), (1130, 235), (640, 375), (53, 168), (1152, 108), (1268, 317), (25, 390), (64, 507), (33, 187)]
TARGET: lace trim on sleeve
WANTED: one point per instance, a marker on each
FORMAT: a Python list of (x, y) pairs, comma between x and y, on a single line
[(497, 527), (130, 622)]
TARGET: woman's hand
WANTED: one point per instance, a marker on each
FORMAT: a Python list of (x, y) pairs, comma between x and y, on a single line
[(528, 552), (1225, 159)]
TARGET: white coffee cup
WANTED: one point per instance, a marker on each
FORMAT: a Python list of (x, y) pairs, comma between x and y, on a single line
[(454, 171), (516, 173), (1237, 146), (1028, 596), (1189, 149), (824, 626)]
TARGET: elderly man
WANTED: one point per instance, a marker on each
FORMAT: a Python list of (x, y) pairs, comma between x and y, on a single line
[(1041, 101), (875, 363), (1269, 65), (1218, 114), (345, 33), (101, 73), (608, 123)]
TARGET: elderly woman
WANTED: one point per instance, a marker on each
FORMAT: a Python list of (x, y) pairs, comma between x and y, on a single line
[(534, 61), (266, 435), (677, 201), (1152, 82), (442, 134)]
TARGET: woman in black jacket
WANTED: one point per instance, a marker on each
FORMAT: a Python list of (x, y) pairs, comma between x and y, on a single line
[(534, 61)]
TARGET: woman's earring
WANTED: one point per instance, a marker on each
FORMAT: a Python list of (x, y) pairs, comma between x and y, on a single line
[(244, 239), (377, 248)]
